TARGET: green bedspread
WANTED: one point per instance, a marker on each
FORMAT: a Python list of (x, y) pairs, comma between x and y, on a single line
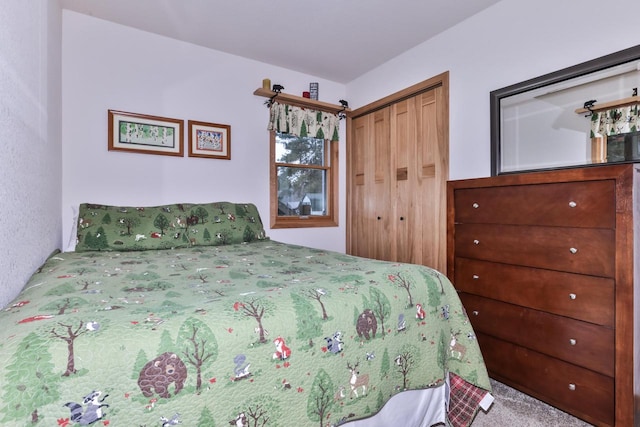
[(281, 335)]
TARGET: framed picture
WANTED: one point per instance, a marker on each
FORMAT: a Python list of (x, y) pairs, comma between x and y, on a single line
[(209, 140), (141, 133)]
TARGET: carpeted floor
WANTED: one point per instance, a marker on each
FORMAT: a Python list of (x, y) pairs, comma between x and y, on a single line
[(515, 409)]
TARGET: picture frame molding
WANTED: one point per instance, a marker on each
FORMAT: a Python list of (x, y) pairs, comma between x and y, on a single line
[(195, 126), (115, 119)]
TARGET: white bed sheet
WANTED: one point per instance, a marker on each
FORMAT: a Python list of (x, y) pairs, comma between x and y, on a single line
[(413, 408)]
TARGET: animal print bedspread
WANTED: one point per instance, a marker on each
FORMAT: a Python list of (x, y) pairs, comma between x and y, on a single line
[(260, 334)]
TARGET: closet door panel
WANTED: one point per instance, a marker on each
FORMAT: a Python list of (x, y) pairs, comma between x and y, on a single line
[(359, 242), (370, 198), (406, 215), (432, 170), (380, 200), (428, 150), (396, 193)]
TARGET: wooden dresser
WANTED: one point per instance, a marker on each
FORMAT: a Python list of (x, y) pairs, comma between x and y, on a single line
[(544, 264)]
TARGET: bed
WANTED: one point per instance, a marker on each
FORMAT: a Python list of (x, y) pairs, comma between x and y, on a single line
[(189, 314)]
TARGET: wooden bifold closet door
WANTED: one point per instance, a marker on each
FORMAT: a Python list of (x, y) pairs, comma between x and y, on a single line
[(398, 166)]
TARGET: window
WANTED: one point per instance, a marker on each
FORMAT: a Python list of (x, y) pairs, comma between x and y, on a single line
[(304, 181)]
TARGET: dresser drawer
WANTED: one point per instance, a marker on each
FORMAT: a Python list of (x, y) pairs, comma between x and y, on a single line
[(574, 341), (577, 390), (575, 250), (570, 204), (582, 297)]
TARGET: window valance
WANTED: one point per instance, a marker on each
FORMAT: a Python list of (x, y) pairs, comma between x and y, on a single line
[(303, 122), (615, 121)]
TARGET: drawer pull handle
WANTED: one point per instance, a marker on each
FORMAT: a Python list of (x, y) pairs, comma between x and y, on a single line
[(475, 206), (573, 250), (475, 312), (572, 387), (475, 277), (572, 296), (572, 204), (572, 341), (476, 242)]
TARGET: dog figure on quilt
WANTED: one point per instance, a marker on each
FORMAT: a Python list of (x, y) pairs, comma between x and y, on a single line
[(93, 410), (282, 351)]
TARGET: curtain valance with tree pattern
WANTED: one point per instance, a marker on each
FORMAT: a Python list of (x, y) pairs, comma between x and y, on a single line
[(303, 122), (615, 121)]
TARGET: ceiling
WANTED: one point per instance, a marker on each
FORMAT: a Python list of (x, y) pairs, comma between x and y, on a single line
[(339, 41)]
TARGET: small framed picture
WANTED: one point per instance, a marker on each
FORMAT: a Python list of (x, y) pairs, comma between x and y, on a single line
[(141, 133), (209, 140)]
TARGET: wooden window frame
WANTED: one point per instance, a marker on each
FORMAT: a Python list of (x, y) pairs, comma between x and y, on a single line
[(329, 220)]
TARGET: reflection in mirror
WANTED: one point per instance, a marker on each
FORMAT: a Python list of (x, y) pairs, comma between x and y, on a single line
[(583, 115)]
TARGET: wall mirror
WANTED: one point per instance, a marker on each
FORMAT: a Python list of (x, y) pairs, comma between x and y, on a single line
[(583, 115)]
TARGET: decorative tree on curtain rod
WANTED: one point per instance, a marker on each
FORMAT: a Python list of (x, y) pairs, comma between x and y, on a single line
[(303, 122), (615, 121)]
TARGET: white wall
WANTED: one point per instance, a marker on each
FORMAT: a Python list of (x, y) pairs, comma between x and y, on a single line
[(109, 66), (510, 42), (30, 40)]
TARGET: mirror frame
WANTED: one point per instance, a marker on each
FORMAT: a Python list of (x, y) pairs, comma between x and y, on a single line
[(604, 62)]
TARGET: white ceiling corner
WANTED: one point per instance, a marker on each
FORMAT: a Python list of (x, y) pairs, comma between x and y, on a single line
[(339, 41)]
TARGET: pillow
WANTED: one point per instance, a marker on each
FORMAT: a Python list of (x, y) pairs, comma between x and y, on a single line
[(119, 228)]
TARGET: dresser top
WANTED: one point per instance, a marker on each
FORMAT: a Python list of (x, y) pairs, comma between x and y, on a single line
[(590, 173)]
